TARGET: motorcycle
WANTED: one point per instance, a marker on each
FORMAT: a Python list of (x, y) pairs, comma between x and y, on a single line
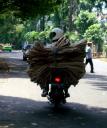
[(56, 94)]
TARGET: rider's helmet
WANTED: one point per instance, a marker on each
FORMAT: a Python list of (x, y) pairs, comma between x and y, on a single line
[(56, 33)]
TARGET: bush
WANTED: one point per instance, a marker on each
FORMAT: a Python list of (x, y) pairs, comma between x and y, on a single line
[(34, 35), (31, 36)]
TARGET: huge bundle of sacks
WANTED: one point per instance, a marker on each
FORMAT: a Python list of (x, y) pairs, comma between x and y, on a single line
[(69, 58)]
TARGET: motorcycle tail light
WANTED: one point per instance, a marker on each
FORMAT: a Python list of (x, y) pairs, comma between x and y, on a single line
[(57, 79)]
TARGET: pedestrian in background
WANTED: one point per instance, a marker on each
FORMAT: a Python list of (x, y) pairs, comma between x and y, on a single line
[(89, 56)]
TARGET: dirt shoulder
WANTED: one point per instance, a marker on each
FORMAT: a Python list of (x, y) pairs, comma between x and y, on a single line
[(103, 59)]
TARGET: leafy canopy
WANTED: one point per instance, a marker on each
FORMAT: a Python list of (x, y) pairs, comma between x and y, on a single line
[(94, 33), (28, 8), (84, 20)]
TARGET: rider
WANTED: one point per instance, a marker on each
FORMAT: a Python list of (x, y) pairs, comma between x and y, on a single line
[(55, 35)]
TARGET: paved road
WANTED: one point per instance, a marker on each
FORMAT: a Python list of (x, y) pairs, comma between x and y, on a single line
[(14, 59), (21, 105)]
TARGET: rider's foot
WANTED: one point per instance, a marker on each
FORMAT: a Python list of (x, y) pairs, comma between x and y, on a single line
[(44, 93), (91, 71), (67, 95), (64, 101)]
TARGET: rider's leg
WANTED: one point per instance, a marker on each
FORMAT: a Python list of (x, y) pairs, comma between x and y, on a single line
[(45, 91), (66, 91)]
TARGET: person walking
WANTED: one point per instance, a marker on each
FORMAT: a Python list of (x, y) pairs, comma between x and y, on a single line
[(89, 56)]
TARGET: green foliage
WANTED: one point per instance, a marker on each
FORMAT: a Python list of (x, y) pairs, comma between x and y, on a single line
[(28, 8), (94, 33), (86, 5), (31, 36), (6, 28), (89, 4), (84, 20), (44, 34), (34, 35), (11, 29), (36, 14), (73, 36), (19, 28), (105, 49)]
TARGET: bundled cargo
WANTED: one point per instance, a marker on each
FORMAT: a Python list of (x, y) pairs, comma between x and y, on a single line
[(69, 58)]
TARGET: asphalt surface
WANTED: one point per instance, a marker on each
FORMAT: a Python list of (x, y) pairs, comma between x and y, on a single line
[(21, 104)]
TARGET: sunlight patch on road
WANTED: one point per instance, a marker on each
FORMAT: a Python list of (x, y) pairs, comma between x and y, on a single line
[(22, 88)]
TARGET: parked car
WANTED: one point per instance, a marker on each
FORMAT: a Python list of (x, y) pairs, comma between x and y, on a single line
[(25, 51), (7, 48)]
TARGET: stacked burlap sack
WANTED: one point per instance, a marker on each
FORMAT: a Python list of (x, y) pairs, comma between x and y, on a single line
[(69, 58)]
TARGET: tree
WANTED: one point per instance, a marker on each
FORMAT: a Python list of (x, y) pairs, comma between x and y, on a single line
[(89, 4), (94, 33), (11, 29), (73, 6), (31, 36), (86, 5), (84, 20), (28, 8)]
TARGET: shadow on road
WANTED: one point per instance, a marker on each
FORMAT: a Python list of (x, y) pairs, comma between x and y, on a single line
[(25, 113), (99, 81)]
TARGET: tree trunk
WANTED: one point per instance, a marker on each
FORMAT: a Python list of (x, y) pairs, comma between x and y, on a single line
[(57, 18), (42, 23), (73, 6)]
